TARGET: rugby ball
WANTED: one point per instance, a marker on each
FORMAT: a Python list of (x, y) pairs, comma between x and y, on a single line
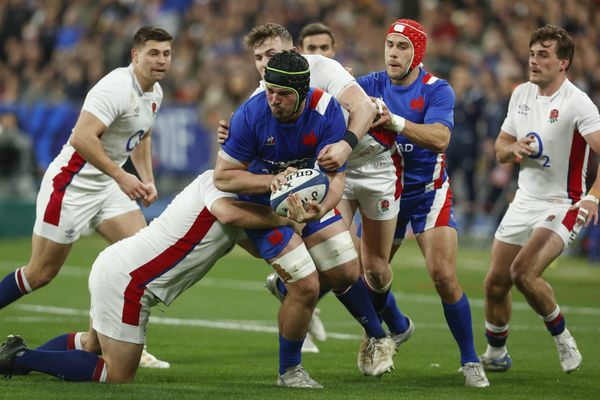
[(310, 184)]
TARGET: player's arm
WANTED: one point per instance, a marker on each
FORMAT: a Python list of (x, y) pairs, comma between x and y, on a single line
[(362, 112), (434, 137), (85, 139), (141, 157), (509, 149), (246, 215), (588, 205), (233, 176)]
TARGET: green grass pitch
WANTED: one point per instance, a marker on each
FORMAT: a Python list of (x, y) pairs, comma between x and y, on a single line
[(220, 336)]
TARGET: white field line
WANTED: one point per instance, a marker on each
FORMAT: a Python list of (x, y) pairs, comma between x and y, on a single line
[(246, 325), (258, 286)]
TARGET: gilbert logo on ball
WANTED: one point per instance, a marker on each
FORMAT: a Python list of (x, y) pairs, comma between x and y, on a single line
[(310, 184)]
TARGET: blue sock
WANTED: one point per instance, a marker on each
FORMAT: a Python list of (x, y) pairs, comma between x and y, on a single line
[(496, 339), (289, 353), (458, 317), (378, 299), (60, 343), (556, 326), (356, 300), (9, 288), (393, 317), (76, 365)]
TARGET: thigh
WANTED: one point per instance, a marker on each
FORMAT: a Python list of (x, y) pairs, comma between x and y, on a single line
[(503, 255), (119, 308), (122, 226), (439, 247), (376, 239), (119, 217), (121, 357), (539, 251), (63, 213)]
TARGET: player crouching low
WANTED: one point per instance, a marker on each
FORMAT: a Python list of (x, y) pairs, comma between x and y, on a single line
[(156, 265)]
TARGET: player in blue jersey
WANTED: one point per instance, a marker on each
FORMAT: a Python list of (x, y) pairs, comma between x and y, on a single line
[(288, 127), (419, 107)]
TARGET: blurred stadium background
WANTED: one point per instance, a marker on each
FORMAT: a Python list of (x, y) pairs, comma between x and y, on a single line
[(53, 51)]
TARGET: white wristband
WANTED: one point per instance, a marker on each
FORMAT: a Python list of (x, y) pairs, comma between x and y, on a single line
[(591, 197), (398, 123)]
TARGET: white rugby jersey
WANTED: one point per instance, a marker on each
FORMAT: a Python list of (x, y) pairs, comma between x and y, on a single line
[(177, 249), (558, 122), (128, 113), (325, 73)]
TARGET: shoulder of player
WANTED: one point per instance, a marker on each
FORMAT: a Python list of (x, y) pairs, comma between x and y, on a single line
[(320, 101)]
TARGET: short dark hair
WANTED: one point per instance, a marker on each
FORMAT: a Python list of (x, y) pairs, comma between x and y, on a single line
[(147, 33), (316, 28), (260, 33), (565, 48)]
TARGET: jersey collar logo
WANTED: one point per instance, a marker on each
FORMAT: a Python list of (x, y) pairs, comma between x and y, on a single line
[(270, 141)]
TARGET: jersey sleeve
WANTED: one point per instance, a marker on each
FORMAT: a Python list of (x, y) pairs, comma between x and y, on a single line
[(367, 82), (108, 99), (441, 106), (587, 119), (508, 125), (240, 143), (329, 75), (334, 128)]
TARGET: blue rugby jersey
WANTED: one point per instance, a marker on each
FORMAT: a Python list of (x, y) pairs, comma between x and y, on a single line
[(269, 146), (426, 101)]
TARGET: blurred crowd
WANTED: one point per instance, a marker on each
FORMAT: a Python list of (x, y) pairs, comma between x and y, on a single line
[(55, 50)]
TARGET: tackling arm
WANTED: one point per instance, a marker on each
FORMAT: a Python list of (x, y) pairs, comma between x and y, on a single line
[(235, 178), (246, 215)]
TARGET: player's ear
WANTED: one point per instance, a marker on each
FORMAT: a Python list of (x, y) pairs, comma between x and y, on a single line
[(134, 54)]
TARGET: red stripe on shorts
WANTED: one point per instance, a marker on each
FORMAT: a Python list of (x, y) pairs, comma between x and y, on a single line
[(444, 216), (60, 184), (162, 263)]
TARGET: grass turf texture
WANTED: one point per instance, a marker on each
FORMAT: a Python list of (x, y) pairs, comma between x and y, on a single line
[(220, 336)]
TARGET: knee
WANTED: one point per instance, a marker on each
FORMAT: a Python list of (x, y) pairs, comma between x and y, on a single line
[(496, 288), (446, 284), (344, 275), (305, 291), (520, 275), (379, 277)]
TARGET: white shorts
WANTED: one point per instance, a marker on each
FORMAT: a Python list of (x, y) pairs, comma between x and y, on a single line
[(374, 185), (107, 283), (62, 216), (525, 215)]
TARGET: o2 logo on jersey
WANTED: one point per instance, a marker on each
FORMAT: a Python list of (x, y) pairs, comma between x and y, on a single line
[(134, 140), (538, 149)]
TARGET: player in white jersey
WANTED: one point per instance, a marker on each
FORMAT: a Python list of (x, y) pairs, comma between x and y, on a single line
[(549, 128), (85, 186), (157, 264)]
